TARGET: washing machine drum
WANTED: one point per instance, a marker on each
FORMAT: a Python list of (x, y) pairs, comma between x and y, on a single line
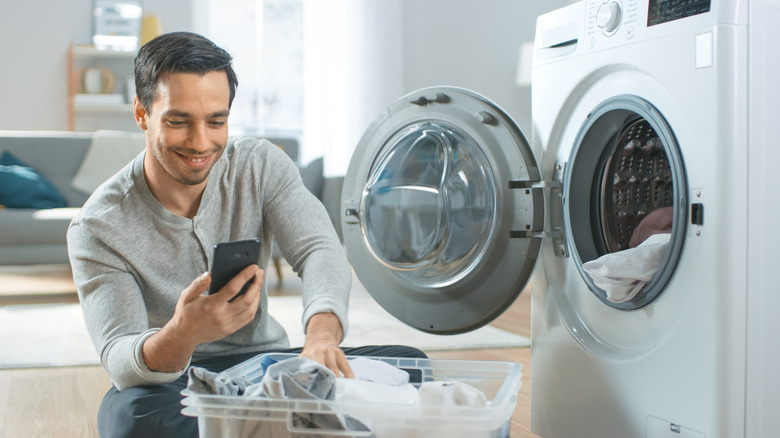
[(625, 182), (637, 181), (444, 208)]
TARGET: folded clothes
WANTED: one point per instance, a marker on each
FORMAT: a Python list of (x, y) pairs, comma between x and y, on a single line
[(623, 274)]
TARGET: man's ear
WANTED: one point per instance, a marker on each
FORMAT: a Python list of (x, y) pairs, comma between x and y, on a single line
[(139, 112)]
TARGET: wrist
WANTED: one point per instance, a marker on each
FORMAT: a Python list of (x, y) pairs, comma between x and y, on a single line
[(166, 351), (324, 327)]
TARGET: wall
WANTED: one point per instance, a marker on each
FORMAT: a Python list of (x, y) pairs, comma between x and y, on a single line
[(472, 44), (466, 43), (36, 35)]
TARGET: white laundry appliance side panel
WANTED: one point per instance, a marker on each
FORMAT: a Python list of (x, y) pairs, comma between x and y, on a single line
[(687, 367), (763, 354)]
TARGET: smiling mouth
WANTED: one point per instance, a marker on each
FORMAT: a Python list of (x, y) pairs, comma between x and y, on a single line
[(197, 162)]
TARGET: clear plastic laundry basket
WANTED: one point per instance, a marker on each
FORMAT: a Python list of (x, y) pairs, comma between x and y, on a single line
[(243, 417)]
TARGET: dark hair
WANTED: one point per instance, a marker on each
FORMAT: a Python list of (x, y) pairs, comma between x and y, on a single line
[(179, 52)]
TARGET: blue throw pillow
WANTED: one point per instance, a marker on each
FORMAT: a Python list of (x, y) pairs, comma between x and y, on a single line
[(22, 187)]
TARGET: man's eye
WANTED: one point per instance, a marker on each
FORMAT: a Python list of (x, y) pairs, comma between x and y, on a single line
[(217, 123), (176, 122)]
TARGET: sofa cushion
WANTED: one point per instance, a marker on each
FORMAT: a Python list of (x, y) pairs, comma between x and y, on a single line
[(21, 186), (19, 226)]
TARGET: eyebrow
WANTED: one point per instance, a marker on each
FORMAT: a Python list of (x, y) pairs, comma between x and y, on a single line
[(179, 113)]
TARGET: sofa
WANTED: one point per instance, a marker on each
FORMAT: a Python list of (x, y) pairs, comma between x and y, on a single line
[(38, 235)]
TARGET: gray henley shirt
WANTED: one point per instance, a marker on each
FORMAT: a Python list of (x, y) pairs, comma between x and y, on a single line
[(132, 258)]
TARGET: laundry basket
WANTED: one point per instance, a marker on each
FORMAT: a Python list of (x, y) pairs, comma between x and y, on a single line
[(244, 417)]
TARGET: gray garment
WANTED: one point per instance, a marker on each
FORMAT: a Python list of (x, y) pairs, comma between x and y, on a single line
[(303, 378), (299, 378), (131, 257), (202, 381)]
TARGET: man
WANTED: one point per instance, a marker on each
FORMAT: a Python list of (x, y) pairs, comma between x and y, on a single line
[(141, 247)]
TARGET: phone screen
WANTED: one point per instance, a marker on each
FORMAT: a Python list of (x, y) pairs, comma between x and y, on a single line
[(230, 258)]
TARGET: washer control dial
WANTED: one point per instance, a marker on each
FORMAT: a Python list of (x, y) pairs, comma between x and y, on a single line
[(608, 16)]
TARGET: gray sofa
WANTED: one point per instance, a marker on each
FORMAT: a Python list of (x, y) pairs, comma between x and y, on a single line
[(29, 236)]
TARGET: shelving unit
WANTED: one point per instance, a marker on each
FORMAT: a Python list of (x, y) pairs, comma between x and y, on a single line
[(89, 116)]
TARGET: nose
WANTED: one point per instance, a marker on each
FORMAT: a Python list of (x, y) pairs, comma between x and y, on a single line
[(198, 138)]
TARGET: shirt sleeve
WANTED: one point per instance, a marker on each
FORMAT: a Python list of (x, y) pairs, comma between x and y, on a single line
[(305, 235), (106, 286)]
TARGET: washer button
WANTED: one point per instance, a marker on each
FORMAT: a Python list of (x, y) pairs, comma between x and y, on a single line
[(608, 16)]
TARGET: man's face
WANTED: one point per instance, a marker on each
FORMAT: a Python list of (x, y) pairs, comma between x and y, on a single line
[(186, 129)]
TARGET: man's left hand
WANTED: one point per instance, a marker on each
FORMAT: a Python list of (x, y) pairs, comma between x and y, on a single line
[(323, 335)]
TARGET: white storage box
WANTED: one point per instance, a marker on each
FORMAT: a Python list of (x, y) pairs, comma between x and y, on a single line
[(243, 417)]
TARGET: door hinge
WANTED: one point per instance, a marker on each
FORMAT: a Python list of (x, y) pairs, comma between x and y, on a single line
[(552, 194)]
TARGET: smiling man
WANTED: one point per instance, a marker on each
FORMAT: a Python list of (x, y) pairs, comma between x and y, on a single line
[(142, 245)]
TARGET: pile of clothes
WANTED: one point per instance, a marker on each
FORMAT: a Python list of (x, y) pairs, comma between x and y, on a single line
[(300, 378)]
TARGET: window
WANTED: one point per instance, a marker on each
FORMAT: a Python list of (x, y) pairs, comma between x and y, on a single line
[(265, 38), (316, 70)]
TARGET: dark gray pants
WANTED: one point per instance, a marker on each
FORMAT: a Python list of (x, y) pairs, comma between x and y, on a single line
[(155, 411)]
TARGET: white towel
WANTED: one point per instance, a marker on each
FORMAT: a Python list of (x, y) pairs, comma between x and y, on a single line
[(364, 391), (378, 371), (109, 152), (623, 274)]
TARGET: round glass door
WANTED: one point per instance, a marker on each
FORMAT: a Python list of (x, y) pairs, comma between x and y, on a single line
[(430, 204), (428, 211)]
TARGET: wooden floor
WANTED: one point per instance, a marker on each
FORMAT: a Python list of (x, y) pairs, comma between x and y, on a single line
[(63, 402)]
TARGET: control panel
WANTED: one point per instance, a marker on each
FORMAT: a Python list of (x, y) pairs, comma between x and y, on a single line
[(608, 18), (614, 22), (663, 11)]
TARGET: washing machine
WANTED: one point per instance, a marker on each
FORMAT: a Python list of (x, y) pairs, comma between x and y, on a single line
[(641, 110), (649, 105)]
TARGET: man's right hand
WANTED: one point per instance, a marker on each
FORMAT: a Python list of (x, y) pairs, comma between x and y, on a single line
[(200, 318)]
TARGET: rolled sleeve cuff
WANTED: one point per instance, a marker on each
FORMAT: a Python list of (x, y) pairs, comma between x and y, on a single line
[(326, 305), (145, 375)]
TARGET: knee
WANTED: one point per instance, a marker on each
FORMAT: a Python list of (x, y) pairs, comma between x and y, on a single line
[(386, 351), (407, 351), (144, 412)]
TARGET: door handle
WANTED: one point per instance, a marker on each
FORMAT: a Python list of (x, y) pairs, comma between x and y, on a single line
[(426, 101)]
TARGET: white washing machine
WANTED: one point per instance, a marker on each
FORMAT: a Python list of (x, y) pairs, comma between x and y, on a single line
[(646, 105), (641, 107)]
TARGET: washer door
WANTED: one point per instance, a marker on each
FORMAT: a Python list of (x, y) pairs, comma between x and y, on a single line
[(428, 210)]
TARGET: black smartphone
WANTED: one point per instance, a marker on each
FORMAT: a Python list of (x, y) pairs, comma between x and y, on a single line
[(230, 258)]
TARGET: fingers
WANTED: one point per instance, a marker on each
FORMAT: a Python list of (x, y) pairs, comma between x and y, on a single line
[(197, 287), (233, 287), (332, 358), (343, 366)]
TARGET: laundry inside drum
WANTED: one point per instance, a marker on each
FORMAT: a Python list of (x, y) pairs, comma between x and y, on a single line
[(637, 188)]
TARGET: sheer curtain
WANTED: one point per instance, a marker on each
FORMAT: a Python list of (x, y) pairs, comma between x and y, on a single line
[(352, 69), (352, 72)]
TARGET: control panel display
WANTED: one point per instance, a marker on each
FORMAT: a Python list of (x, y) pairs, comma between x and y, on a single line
[(662, 11)]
